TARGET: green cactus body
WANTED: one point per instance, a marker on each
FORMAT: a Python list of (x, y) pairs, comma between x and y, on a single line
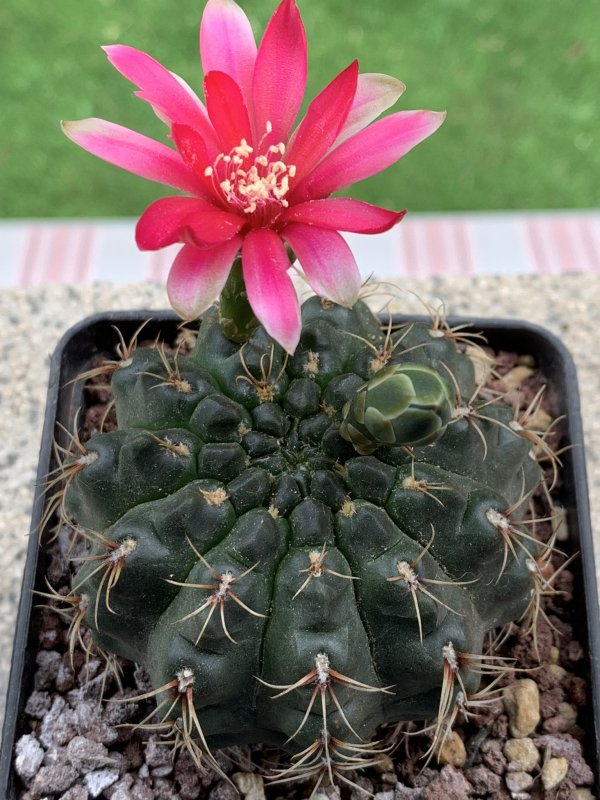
[(243, 543)]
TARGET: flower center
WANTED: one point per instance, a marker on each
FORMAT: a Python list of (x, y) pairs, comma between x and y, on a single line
[(253, 180)]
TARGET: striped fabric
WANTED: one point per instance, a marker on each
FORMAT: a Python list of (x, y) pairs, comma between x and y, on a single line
[(423, 245)]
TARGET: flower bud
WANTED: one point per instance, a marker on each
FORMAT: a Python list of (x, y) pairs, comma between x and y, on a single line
[(404, 404)]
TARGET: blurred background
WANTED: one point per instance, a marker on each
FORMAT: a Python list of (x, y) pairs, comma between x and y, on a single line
[(519, 79)]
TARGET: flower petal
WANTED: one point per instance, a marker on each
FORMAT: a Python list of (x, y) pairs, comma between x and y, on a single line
[(327, 261), (184, 219), (133, 152), (227, 110), (270, 289), (375, 93), (280, 72), (171, 98), (227, 43), (197, 276), (368, 152), (343, 214), (193, 151), (323, 121)]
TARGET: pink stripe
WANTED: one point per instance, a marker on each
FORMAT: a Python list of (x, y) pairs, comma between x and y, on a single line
[(435, 248), (32, 247), (590, 243), (409, 249), (540, 262), (564, 245), (84, 255), (57, 256), (464, 250)]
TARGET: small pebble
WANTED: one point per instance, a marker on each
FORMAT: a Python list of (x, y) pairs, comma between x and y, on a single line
[(121, 789), (403, 792), (518, 781), (77, 793), (540, 420), (450, 783), (99, 780), (162, 772), (521, 754), (225, 791), (567, 711), (157, 754), (554, 770), (384, 764), (517, 376), (554, 655), (52, 780), (86, 756), (49, 662), (485, 783), (38, 704), (453, 751), (29, 756), (250, 785), (558, 671), (141, 791), (522, 703)]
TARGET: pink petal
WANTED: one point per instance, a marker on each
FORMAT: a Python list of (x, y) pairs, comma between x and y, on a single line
[(280, 72), (368, 152), (171, 98), (227, 43), (343, 214), (323, 121), (375, 93), (198, 275), (134, 152), (184, 219), (270, 290), (193, 151), (227, 110), (327, 262)]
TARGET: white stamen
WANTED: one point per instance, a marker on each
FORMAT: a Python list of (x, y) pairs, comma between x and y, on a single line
[(259, 188)]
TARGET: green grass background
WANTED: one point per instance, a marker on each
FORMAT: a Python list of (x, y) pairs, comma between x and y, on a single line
[(520, 80)]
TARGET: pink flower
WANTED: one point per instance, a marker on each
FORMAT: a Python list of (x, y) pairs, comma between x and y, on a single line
[(253, 182)]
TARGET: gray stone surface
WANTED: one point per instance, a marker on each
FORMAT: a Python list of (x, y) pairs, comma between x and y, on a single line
[(32, 321)]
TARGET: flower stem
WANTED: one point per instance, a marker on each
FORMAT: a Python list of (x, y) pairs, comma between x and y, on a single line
[(236, 317)]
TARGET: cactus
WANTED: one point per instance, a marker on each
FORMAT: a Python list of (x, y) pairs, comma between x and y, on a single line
[(299, 549)]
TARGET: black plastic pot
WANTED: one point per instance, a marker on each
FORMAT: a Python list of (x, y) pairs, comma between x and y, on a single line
[(96, 335)]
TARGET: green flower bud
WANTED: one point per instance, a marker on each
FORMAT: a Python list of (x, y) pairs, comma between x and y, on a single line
[(405, 404)]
